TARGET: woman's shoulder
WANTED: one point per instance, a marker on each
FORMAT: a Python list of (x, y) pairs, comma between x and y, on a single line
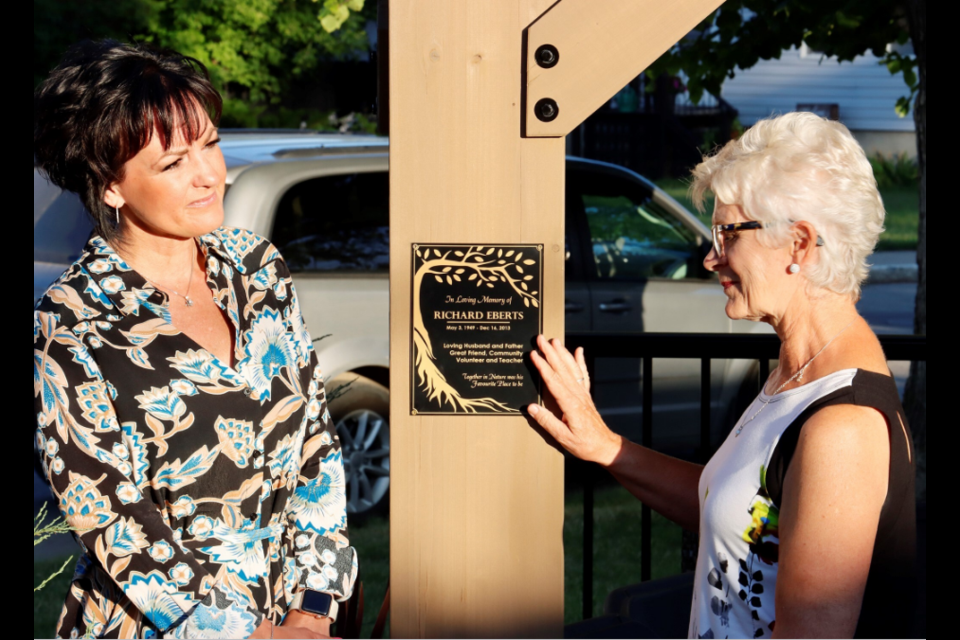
[(72, 296), (248, 251)]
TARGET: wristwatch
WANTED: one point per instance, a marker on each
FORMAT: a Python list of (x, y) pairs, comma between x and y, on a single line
[(315, 603)]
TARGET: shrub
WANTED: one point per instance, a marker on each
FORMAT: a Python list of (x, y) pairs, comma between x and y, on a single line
[(895, 171)]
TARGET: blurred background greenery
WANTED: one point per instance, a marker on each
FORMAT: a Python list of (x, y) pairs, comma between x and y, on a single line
[(275, 61)]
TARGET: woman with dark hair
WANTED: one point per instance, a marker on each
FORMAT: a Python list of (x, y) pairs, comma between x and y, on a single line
[(180, 408)]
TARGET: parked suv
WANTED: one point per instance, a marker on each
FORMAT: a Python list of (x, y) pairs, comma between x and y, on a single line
[(634, 263)]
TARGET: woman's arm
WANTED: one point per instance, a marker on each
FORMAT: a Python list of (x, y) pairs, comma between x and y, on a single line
[(667, 485), (325, 561), (833, 493), (91, 467)]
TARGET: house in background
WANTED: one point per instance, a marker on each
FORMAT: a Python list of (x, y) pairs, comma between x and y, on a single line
[(861, 94)]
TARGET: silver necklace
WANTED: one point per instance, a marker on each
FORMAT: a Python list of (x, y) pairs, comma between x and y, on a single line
[(798, 376), (186, 297)]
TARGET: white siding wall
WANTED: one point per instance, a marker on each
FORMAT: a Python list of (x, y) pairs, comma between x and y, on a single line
[(864, 89)]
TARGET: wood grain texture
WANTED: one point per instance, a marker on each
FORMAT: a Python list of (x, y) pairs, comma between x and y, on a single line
[(603, 45), (476, 502)]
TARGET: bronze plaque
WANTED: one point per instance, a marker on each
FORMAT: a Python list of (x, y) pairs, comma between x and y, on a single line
[(476, 316)]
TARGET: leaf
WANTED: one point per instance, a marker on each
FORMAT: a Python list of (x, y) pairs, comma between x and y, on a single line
[(526, 302), (528, 278), (535, 304), (519, 269), (758, 576), (535, 293), (524, 286), (490, 252), (472, 277), (457, 278), (119, 566), (509, 253), (529, 263), (140, 358), (439, 279), (744, 580), (419, 255), (517, 257), (282, 411), (460, 272), (757, 589), (459, 254), (489, 286), (449, 280), (500, 254), (447, 270), (155, 425), (177, 475)]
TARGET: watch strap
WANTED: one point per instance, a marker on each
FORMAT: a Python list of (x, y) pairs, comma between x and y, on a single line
[(297, 605)]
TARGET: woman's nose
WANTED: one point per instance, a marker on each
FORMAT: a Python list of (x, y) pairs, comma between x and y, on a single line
[(209, 170), (713, 260)]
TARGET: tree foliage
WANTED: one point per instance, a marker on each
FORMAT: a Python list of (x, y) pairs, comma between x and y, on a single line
[(743, 32), (256, 50)]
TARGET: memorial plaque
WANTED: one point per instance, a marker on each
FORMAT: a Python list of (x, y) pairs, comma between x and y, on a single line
[(476, 316)]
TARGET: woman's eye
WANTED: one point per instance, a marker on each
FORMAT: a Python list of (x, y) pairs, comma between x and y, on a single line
[(173, 165), (215, 143)]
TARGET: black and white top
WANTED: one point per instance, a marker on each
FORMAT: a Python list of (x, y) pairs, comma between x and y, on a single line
[(740, 497), (205, 494)]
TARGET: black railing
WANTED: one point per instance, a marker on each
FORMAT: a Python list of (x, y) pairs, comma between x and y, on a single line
[(687, 346)]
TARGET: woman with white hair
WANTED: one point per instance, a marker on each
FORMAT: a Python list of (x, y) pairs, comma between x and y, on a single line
[(806, 513)]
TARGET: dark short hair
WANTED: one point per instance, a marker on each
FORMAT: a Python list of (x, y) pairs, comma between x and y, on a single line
[(99, 108)]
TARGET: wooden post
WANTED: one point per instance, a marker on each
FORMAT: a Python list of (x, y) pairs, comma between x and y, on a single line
[(476, 502)]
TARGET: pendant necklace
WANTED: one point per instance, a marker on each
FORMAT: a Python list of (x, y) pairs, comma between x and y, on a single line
[(798, 376), (186, 297)]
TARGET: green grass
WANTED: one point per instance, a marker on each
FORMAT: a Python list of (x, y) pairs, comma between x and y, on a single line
[(616, 559), (48, 602), (616, 553), (902, 204)]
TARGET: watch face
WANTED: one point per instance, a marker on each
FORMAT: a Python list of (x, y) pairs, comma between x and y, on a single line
[(317, 603)]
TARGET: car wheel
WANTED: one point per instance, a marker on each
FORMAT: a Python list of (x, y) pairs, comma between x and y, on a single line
[(361, 413)]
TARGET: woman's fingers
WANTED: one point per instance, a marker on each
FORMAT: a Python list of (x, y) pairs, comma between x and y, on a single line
[(562, 362), (556, 428), (584, 371)]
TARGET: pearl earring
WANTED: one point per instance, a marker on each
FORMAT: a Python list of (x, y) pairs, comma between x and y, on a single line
[(794, 268)]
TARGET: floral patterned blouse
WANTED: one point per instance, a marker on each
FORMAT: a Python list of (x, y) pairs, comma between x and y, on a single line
[(204, 495)]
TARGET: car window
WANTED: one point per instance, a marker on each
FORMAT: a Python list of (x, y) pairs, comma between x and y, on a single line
[(61, 225), (632, 236), (336, 224)]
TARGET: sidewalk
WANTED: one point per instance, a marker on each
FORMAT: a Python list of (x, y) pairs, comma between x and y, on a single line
[(893, 267)]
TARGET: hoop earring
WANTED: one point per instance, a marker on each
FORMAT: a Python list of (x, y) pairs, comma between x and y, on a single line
[(794, 268)]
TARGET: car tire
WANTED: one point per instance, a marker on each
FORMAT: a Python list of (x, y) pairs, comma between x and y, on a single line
[(361, 413)]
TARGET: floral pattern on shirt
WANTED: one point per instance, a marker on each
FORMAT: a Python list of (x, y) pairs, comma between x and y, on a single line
[(204, 494)]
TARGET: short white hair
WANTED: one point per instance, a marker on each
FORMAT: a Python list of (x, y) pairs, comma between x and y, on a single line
[(796, 167)]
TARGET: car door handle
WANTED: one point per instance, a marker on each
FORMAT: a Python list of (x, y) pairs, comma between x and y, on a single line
[(617, 306), (574, 307)]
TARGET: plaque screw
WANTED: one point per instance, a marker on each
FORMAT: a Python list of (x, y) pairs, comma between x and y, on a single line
[(547, 110), (548, 56)]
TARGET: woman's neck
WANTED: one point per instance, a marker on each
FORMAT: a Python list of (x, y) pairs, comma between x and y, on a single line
[(808, 326), (168, 262)]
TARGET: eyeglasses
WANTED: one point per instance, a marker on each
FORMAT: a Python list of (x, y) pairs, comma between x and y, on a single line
[(720, 229)]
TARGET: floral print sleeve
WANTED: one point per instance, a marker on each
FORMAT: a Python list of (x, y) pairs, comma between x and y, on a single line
[(204, 493), (324, 560)]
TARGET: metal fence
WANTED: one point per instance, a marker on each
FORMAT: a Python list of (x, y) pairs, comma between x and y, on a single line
[(705, 348)]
